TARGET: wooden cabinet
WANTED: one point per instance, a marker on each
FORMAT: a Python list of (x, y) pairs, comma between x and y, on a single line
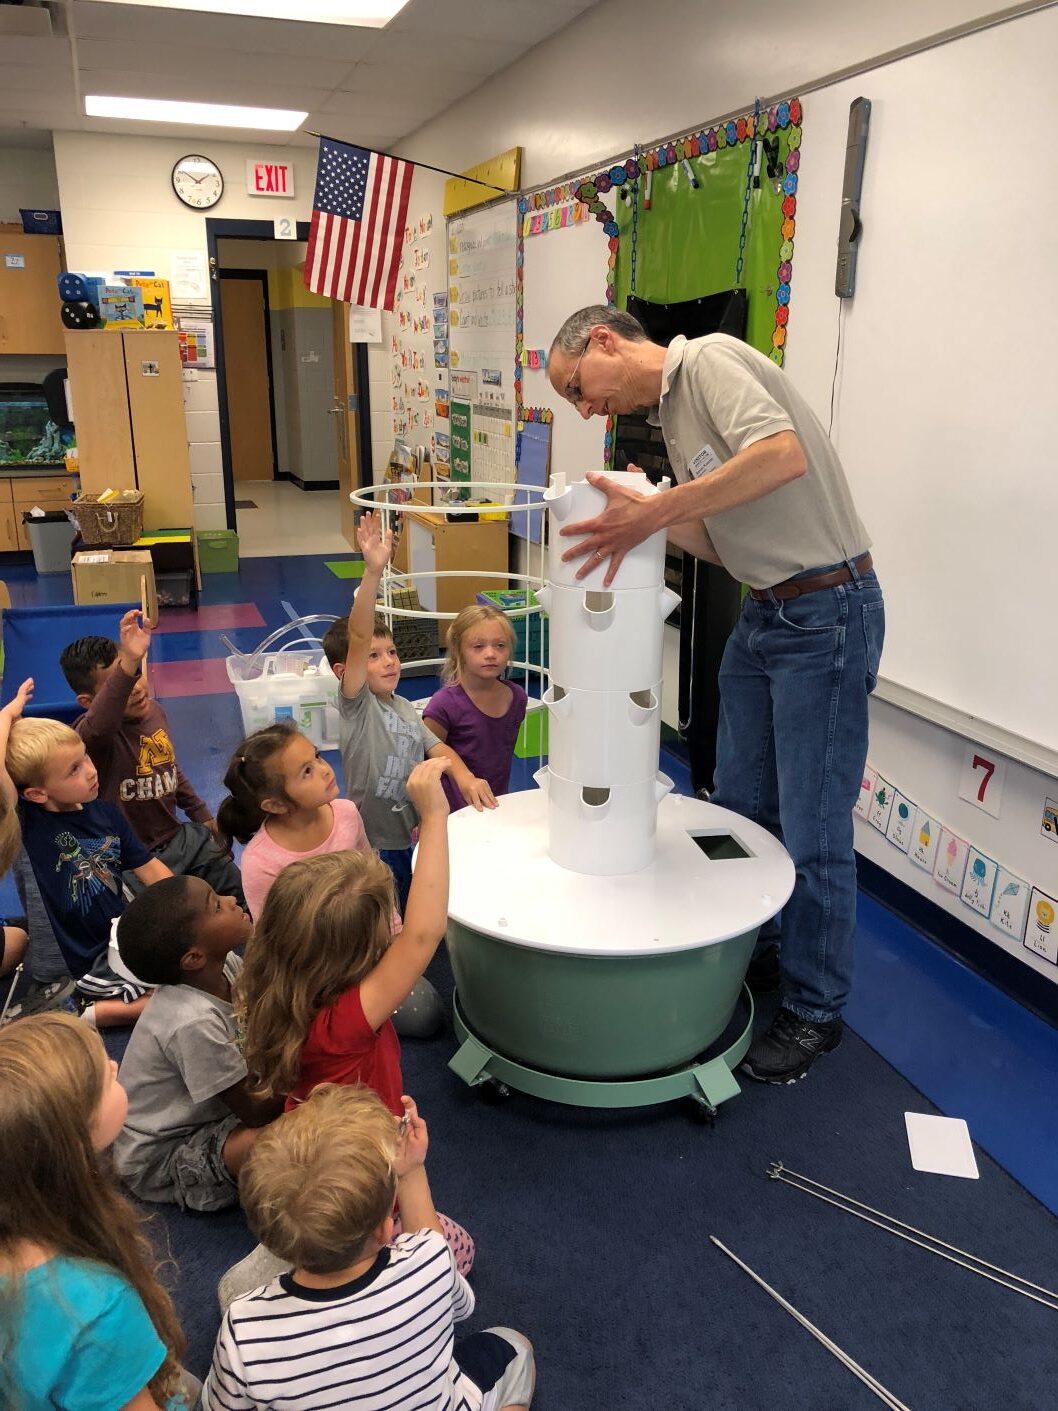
[(19, 493), (431, 545), (128, 408), (29, 296)]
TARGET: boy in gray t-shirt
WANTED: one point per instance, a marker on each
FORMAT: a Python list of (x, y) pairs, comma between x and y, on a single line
[(382, 735), (192, 1119)]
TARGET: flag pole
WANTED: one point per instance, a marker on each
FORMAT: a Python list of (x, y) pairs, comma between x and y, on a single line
[(441, 171)]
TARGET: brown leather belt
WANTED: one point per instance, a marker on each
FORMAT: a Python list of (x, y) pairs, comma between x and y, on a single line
[(798, 587)]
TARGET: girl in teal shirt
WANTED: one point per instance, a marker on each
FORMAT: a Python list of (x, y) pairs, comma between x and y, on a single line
[(84, 1323)]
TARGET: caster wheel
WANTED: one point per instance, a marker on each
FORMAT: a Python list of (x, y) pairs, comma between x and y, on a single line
[(703, 1113), (493, 1092)]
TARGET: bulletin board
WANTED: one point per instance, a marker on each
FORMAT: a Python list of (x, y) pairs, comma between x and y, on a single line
[(564, 267), (481, 312), (944, 395)]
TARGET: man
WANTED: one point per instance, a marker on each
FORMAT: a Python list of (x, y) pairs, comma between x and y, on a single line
[(761, 492)]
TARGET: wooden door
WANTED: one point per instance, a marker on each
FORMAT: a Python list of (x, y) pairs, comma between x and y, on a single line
[(30, 321), (246, 377), (154, 378), (346, 419)]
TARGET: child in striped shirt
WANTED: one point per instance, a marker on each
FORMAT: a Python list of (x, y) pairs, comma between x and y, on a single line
[(361, 1318)]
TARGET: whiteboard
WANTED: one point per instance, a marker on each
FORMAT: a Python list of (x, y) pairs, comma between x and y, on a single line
[(482, 252), (563, 270), (945, 396)]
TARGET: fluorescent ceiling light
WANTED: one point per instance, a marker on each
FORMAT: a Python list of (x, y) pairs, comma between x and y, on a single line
[(193, 114), (372, 14)]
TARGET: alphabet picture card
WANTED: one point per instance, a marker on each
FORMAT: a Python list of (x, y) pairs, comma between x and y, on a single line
[(1041, 934), (881, 804), (1010, 905), (900, 829), (925, 835), (867, 783), (950, 867), (979, 882)]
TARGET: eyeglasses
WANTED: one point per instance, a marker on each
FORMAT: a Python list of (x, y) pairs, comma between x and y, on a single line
[(571, 391)]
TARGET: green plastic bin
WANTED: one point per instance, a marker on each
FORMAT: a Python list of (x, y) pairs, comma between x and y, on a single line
[(218, 550)]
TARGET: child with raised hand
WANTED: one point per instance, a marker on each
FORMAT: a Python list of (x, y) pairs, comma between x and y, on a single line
[(476, 712), (323, 971), (284, 806), (84, 1322), (382, 737), (192, 1119), (126, 733), (79, 848), (362, 1318)]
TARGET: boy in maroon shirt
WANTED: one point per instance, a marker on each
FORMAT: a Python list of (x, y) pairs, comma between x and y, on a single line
[(127, 737)]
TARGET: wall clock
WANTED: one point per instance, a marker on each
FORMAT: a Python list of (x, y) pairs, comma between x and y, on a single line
[(197, 182)]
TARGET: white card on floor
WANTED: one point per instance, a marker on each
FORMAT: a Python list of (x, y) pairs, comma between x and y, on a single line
[(941, 1145)]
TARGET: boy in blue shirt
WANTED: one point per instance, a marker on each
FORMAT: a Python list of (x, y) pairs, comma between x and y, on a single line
[(78, 848)]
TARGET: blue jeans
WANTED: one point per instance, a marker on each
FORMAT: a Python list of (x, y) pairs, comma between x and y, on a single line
[(791, 746), (398, 860)]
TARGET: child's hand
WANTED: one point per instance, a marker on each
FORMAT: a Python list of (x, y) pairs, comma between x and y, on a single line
[(17, 704), (375, 546), (479, 793), (413, 1141), (135, 635), (424, 786)]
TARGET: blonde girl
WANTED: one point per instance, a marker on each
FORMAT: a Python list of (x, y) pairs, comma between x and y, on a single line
[(284, 805), (476, 712), (324, 973), (84, 1321)]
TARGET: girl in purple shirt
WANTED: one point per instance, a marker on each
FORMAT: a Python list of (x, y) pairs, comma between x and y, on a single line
[(475, 712)]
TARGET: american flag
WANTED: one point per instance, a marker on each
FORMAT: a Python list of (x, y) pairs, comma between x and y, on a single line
[(358, 216)]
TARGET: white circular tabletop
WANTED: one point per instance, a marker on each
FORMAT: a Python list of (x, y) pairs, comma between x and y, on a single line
[(504, 884)]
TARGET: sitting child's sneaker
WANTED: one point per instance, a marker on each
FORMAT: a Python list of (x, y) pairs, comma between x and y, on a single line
[(39, 997), (789, 1048)]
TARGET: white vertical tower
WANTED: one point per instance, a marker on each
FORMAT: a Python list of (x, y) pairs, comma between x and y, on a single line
[(604, 694)]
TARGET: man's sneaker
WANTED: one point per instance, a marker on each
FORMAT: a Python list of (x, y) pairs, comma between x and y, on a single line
[(790, 1047), (56, 994), (764, 975)]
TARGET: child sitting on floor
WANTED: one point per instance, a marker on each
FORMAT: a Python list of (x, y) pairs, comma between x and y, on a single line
[(84, 1321), (362, 1319), (323, 971), (381, 734), (476, 712), (127, 736), (284, 806), (78, 847), (192, 1120)]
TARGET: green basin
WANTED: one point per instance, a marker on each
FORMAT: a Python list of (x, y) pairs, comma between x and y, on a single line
[(597, 1016)]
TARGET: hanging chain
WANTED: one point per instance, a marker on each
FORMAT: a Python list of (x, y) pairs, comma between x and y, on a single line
[(740, 262), (635, 226)]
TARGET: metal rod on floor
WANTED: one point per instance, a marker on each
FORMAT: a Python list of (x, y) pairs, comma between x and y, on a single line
[(778, 1172), (872, 1383)]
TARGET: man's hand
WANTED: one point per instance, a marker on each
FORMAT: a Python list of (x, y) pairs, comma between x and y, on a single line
[(478, 792), (134, 635), (375, 546), (626, 521), (18, 702)]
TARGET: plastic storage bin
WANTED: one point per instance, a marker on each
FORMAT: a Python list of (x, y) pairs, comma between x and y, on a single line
[(218, 550), (294, 683), (50, 537)]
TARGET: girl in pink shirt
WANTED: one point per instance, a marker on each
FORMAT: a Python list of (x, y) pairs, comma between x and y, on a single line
[(284, 805)]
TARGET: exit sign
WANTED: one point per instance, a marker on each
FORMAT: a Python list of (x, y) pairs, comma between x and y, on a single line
[(270, 179)]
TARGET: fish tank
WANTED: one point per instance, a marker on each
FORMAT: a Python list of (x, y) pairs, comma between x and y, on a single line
[(28, 435)]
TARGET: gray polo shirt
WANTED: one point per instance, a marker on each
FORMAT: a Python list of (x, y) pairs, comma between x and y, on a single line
[(382, 740), (718, 397)]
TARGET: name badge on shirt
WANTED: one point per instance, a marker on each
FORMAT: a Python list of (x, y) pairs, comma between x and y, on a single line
[(706, 459)]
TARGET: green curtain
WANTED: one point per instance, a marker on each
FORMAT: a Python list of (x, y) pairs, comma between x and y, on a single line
[(687, 243)]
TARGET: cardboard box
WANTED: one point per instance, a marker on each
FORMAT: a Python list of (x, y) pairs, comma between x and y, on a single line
[(115, 576)]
